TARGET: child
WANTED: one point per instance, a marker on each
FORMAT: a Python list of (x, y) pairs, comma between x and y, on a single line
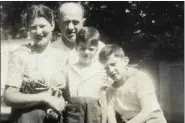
[(132, 94), (83, 80)]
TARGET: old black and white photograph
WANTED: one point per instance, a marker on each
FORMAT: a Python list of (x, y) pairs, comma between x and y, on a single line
[(92, 61)]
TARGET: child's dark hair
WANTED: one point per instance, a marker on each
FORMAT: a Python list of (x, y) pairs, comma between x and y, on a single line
[(88, 34), (39, 11), (110, 49)]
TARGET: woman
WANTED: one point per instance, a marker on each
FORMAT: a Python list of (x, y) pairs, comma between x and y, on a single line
[(28, 90)]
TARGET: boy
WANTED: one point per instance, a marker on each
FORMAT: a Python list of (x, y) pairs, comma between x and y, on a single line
[(83, 80), (132, 94)]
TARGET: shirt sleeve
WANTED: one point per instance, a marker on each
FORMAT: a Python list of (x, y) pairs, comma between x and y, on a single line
[(15, 69), (110, 105), (111, 114), (146, 92), (110, 96)]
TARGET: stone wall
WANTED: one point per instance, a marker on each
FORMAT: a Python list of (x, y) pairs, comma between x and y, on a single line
[(171, 90)]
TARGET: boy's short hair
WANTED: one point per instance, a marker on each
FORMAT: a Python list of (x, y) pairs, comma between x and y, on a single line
[(110, 49), (88, 34)]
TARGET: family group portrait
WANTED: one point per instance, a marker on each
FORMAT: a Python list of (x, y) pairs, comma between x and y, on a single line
[(92, 61)]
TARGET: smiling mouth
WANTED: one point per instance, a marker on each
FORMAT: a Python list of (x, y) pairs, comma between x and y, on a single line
[(86, 58), (71, 34), (113, 75), (38, 38)]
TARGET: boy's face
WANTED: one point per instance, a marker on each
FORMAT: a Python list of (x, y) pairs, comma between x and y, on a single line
[(86, 52), (115, 67)]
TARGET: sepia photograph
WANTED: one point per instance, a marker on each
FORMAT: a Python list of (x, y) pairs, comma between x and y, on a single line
[(92, 61)]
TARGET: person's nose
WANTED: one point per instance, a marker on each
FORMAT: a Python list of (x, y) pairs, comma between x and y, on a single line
[(38, 31), (70, 26), (86, 52), (110, 69)]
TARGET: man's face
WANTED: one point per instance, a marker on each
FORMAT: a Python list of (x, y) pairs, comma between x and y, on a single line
[(115, 67), (70, 22), (86, 52)]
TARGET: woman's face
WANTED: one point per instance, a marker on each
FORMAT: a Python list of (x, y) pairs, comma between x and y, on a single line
[(41, 31)]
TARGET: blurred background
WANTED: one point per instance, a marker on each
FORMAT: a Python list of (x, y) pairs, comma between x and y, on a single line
[(151, 33)]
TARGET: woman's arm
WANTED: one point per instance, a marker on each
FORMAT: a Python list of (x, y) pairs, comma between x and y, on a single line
[(15, 99)]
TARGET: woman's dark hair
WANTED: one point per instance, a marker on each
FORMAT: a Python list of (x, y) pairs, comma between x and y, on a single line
[(88, 34), (39, 11)]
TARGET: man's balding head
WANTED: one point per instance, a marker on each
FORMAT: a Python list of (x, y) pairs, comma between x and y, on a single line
[(71, 8), (71, 19)]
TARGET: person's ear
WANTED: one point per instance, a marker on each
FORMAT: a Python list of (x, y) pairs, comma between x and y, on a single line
[(96, 49), (57, 21), (83, 21), (76, 47), (126, 60), (53, 25)]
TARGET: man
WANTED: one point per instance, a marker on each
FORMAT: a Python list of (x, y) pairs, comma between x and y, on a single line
[(71, 19), (83, 80)]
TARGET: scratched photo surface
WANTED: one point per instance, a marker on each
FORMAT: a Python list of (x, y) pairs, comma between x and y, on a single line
[(150, 33)]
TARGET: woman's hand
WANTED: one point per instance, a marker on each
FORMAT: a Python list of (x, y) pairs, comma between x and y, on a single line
[(52, 115), (55, 103)]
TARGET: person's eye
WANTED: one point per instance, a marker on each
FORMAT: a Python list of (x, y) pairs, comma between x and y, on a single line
[(91, 49), (75, 22), (65, 22), (42, 26), (113, 64), (83, 49), (33, 27)]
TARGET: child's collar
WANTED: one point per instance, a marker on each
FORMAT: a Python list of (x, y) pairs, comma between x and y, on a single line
[(92, 69)]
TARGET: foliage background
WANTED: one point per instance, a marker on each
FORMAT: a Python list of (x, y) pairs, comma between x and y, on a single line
[(151, 33), (148, 31)]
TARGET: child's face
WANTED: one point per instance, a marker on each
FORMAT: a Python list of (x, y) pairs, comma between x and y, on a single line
[(86, 52), (115, 67)]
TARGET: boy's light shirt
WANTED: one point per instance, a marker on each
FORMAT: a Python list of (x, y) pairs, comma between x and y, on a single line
[(85, 83), (72, 54), (127, 100)]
